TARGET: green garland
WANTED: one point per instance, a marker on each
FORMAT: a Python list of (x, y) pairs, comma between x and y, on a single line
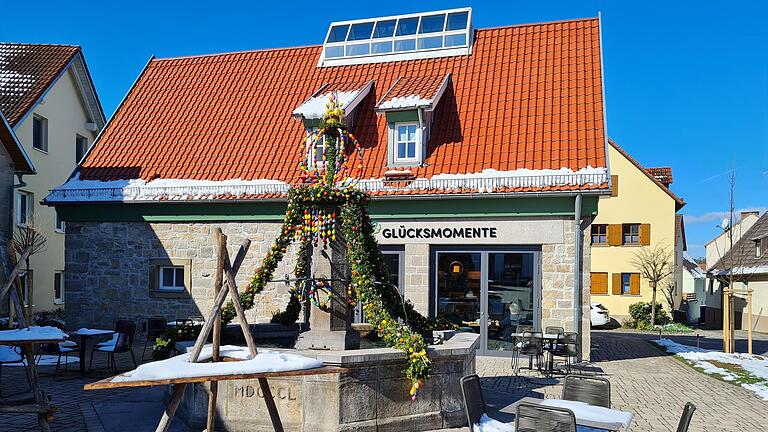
[(327, 189)]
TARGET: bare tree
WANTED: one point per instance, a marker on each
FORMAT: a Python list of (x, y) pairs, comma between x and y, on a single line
[(654, 264), (669, 294), (27, 237)]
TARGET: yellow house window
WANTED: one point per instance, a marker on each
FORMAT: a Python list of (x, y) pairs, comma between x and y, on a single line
[(599, 234)]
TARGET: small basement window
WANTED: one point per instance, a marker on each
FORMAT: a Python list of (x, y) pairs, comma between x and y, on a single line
[(170, 278)]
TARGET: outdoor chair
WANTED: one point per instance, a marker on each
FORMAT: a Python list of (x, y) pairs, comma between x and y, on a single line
[(520, 329), (685, 419), (538, 418), (156, 327), (122, 342), (567, 347), (12, 355), (474, 403), (588, 389), (530, 346), (58, 349)]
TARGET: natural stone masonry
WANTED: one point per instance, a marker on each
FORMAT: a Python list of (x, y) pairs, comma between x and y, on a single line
[(417, 276), (107, 273)]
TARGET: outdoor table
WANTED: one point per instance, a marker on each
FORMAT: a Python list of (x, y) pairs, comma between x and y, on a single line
[(587, 415), (39, 403), (84, 334)]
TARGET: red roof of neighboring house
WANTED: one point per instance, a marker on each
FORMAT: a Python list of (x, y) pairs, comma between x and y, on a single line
[(26, 71), (528, 97), (679, 202), (663, 174), (9, 140)]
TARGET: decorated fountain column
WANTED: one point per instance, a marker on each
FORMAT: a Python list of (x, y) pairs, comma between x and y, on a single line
[(330, 329)]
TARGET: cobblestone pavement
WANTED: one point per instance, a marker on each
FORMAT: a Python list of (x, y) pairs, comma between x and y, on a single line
[(652, 385)]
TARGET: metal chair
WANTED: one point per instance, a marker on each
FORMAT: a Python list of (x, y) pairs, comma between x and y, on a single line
[(517, 341), (537, 418), (567, 347), (123, 343), (156, 327), (56, 349), (474, 403), (12, 355), (685, 419), (531, 346), (588, 389)]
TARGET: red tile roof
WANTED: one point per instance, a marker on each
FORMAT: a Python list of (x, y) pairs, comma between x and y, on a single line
[(529, 96), (663, 174), (26, 71), (424, 88)]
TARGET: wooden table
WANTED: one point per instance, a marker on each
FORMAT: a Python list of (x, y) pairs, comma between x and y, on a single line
[(180, 384), (84, 334), (587, 415), (39, 403)]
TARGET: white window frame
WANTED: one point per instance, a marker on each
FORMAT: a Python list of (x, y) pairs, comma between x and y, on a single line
[(312, 154), (58, 224), (43, 130), (29, 207), (60, 299), (758, 248), (174, 287), (417, 144)]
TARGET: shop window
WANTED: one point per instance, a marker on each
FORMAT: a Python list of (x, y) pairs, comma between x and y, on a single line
[(599, 234), (40, 133), (626, 284), (58, 287), (395, 264), (599, 283), (170, 278)]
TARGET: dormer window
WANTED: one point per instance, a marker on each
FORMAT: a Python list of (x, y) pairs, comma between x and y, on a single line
[(316, 151), (407, 142), (409, 106)]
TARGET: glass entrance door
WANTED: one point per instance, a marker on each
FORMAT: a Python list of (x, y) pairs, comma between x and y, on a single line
[(488, 292), (459, 288), (512, 297)]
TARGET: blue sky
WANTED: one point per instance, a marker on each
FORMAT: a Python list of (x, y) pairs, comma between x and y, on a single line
[(686, 82)]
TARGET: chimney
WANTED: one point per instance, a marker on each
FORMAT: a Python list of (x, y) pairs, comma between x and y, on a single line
[(744, 214)]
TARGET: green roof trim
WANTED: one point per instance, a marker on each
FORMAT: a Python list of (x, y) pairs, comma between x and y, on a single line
[(274, 211)]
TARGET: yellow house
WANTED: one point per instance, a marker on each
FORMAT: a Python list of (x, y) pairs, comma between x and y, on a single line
[(52, 106), (639, 213)]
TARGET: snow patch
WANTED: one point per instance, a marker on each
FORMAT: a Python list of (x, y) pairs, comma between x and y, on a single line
[(404, 102), (755, 365), (315, 108), (76, 189), (180, 367), (32, 333), (488, 424)]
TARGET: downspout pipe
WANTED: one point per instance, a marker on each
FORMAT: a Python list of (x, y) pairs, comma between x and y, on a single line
[(577, 292)]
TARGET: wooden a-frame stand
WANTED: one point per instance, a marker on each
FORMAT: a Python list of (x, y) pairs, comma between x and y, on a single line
[(39, 403), (224, 284)]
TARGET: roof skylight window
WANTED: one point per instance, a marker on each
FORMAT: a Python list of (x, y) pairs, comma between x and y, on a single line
[(403, 37)]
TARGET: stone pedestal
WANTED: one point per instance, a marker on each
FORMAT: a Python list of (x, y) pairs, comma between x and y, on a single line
[(331, 330), (371, 396)]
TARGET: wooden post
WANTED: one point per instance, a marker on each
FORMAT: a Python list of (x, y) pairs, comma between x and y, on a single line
[(40, 397), (726, 325), (749, 321), (230, 278), (170, 410), (218, 302), (221, 246)]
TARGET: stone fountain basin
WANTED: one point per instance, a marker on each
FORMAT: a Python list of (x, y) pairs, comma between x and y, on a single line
[(371, 396)]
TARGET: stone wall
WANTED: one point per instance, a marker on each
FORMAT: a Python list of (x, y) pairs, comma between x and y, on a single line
[(107, 275), (417, 276), (557, 267)]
